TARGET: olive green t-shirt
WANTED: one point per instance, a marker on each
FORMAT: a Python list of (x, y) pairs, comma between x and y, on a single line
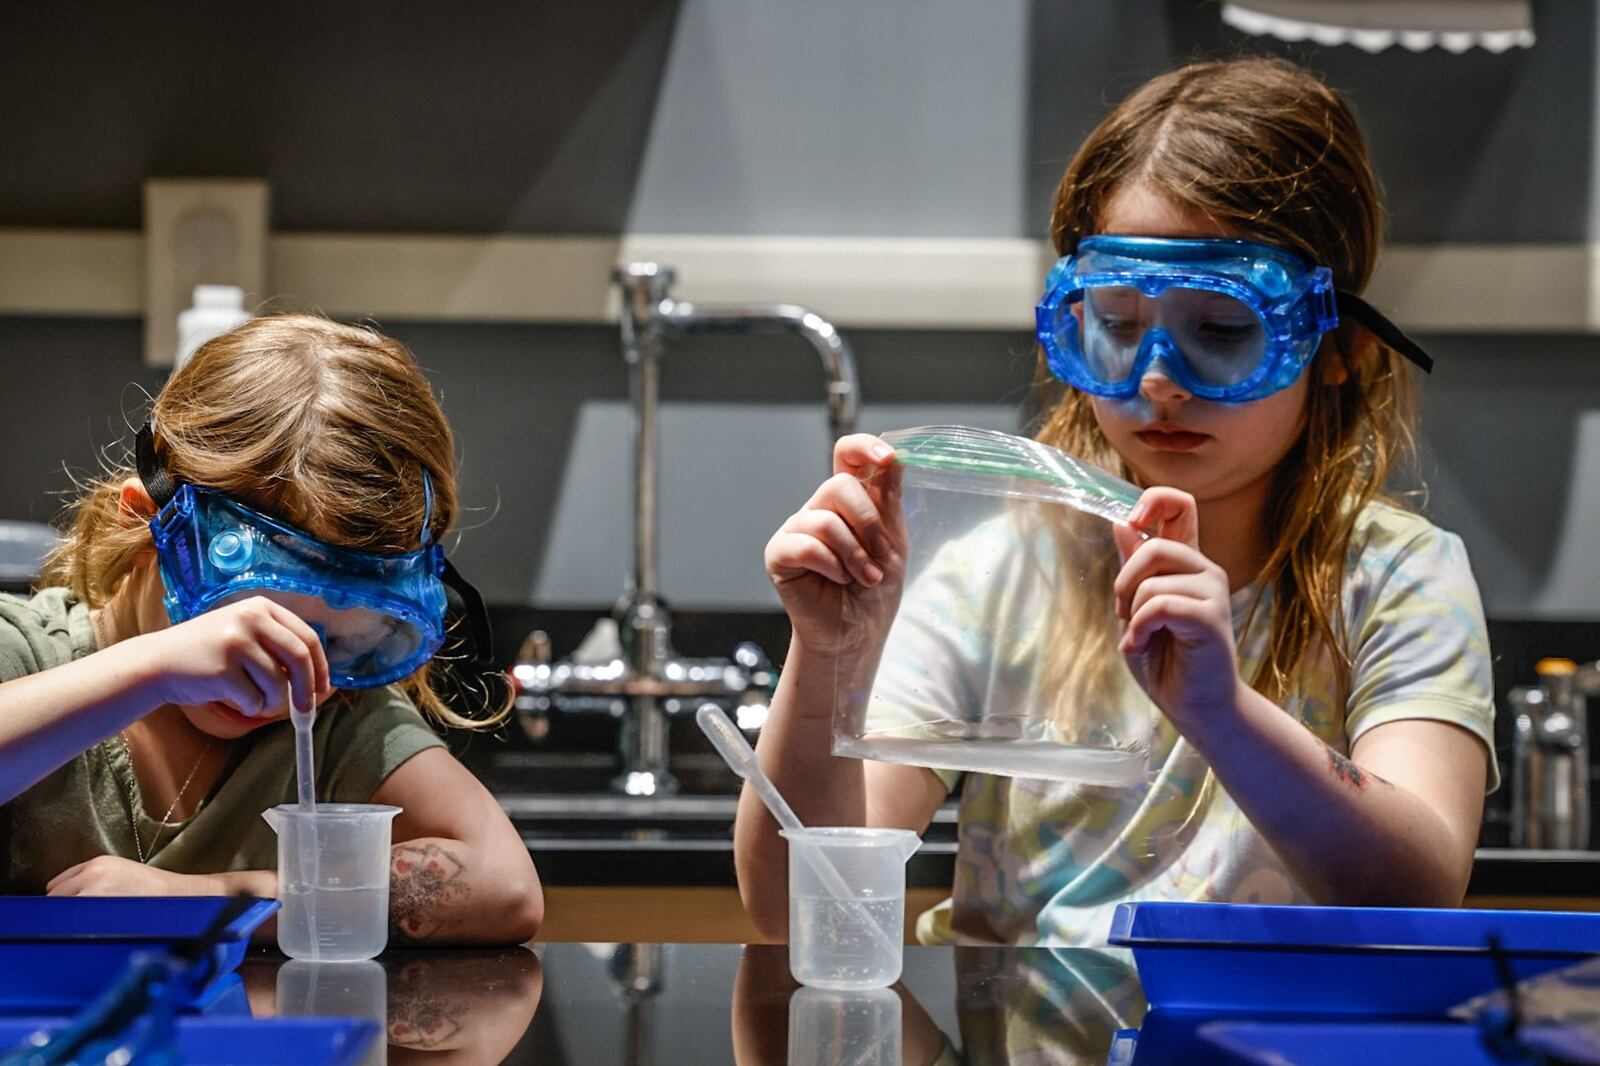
[(87, 807)]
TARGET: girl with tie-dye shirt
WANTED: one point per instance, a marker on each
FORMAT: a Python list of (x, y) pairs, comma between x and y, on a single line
[(1316, 653)]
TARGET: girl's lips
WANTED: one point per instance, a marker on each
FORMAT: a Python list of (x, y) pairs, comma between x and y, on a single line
[(1171, 439)]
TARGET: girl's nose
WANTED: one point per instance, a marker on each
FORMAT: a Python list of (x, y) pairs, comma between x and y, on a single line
[(1157, 387)]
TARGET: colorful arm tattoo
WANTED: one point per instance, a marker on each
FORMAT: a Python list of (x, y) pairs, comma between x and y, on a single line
[(424, 879)]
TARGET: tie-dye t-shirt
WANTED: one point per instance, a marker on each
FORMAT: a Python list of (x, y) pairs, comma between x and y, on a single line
[(1046, 862)]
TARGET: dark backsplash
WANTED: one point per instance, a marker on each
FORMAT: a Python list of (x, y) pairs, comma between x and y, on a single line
[(1516, 645)]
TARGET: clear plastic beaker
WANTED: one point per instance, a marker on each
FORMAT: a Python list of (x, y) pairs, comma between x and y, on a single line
[(829, 1028), (847, 904), (334, 886)]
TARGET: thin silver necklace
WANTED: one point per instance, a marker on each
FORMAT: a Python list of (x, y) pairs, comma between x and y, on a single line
[(134, 806)]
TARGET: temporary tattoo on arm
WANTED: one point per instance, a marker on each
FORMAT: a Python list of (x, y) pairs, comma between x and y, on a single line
[(1347, 771), (424, 879)]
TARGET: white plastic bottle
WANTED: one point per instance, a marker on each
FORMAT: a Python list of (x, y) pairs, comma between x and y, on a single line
[(216, 310)]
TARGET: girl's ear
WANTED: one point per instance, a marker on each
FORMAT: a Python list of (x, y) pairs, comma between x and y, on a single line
[(134, 505), (1334, 370), (1335, 360), (1343, 350)]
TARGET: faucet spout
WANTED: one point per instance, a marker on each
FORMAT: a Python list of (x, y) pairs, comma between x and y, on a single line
[(838, 361), (649, 677)]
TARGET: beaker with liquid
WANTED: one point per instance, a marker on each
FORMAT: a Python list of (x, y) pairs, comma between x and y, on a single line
[(847, 905), (334, 887)]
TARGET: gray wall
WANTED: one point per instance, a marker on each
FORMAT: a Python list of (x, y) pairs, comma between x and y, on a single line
[(911, 117)]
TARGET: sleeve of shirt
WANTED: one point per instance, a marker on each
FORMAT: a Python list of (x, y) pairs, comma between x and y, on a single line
[(1421, 647), (18, 655), (370, 740)]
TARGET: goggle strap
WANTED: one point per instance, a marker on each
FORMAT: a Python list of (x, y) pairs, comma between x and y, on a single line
[(1354, 307), (480, 631), (427, 508), (152, 471)]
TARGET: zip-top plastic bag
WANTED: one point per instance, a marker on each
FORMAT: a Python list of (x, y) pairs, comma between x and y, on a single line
[(1000, 638)]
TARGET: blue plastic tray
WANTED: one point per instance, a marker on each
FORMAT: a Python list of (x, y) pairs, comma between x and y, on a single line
[(1383, 962), (1336, 1044), (241, 1042), (56, 954)]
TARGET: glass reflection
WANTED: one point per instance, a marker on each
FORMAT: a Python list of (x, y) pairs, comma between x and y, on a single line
[(776, 1022), (337, 989), (859, 1028), (435, 1006), (1058, 1005), (1011, 1006)]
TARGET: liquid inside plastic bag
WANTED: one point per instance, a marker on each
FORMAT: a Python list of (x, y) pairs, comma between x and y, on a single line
[(999, 638)]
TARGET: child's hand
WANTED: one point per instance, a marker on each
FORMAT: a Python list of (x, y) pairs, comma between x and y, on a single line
[(849, 539), (109, 875), (1178, 637), (242, 655)]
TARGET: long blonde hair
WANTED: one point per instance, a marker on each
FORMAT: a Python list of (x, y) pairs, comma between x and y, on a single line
[(1269, 151), (326, 426)]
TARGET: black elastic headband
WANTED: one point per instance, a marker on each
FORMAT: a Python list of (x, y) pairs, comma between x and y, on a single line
[(1354, 307), (152, 471)]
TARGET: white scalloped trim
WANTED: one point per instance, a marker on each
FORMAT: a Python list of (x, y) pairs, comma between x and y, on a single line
[(1372, 40)]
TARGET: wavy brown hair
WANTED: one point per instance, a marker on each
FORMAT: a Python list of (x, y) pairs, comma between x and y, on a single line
[(1273, 154), (326, 426)]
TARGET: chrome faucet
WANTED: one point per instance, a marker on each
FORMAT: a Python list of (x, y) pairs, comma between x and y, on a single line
[(649, 681)]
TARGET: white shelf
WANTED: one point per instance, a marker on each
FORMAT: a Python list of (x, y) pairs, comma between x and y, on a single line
[(913, 283)]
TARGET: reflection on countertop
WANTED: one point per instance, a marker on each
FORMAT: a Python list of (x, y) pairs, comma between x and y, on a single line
[(591, 1004), (436, 1006)]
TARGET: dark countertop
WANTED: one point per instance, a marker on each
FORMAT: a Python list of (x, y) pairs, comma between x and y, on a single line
[(704, 1005)]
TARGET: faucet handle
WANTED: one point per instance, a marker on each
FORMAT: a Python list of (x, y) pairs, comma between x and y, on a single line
[(752, 659), (532, 707)]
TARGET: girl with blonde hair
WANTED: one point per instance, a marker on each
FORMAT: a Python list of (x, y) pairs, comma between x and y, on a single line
[(278, 541), (1315, 654)]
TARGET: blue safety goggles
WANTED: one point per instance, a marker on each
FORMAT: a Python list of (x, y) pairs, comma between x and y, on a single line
[(1229, 320), (380, 617)]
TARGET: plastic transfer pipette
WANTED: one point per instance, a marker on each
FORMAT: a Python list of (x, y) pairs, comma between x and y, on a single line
[(741, 759)]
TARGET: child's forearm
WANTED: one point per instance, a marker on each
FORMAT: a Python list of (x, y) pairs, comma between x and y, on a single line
[(795, 749), (48, 718), (1347, 836), (440, 891), (452, 891)]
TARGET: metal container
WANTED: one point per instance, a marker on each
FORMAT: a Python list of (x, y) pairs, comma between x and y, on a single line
[(1550, 760)]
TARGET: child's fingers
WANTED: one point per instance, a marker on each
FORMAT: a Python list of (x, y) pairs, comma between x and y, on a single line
[(294, 658), (1153, 558), (63, 877), (845, 496), (1167, 512), (790, 555), (891, 507), (1182, 616), (308, 639), (1194, 586), (835, 534), (257, 683), (1127, 539), (861, 452)]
